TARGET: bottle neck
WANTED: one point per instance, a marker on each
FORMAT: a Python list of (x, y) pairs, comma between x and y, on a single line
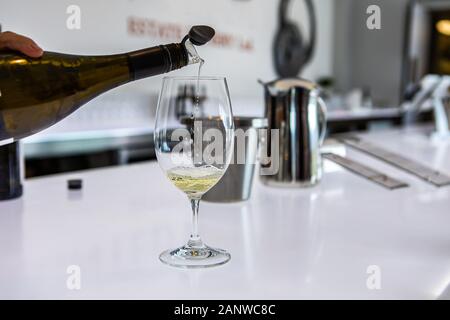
[(157, 60)]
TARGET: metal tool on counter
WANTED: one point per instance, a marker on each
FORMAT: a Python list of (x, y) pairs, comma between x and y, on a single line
[(429, 175), (236, 184), (294, 108), (366, 172)]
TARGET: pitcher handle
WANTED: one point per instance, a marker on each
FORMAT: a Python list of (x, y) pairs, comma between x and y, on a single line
[(322, 119)]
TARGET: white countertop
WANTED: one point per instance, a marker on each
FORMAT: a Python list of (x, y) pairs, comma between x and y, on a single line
[(285, 243)]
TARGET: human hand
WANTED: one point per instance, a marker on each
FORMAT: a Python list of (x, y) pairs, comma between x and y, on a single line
[(20, 43)]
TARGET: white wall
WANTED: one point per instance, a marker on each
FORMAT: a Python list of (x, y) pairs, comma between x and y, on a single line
[(370, 58), (104, 31)]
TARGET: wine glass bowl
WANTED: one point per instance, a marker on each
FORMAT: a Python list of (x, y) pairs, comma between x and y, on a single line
[(193, 142)]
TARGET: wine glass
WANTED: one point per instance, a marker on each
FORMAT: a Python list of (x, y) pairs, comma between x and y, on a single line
[(194, 133)]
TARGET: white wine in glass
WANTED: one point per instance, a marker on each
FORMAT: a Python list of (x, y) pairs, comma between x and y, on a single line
[(195, 181), (193, 142)]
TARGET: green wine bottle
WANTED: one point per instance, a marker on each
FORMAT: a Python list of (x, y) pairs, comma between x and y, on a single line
[(37, 93)]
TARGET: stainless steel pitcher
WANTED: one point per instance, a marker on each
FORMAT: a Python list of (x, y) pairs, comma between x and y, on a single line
[(294, 107)]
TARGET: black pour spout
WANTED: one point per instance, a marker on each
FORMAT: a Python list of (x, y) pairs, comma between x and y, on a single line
[(199, 35)]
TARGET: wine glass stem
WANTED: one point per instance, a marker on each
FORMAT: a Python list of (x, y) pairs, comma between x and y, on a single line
[(195, 240)]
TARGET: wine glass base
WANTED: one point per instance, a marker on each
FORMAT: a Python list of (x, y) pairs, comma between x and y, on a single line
[(195, 257)]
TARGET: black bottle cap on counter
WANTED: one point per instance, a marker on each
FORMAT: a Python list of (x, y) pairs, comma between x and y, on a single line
[(199, 35), (75, 184)]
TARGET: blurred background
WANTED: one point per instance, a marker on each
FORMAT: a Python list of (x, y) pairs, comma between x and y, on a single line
[(367, 74)]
